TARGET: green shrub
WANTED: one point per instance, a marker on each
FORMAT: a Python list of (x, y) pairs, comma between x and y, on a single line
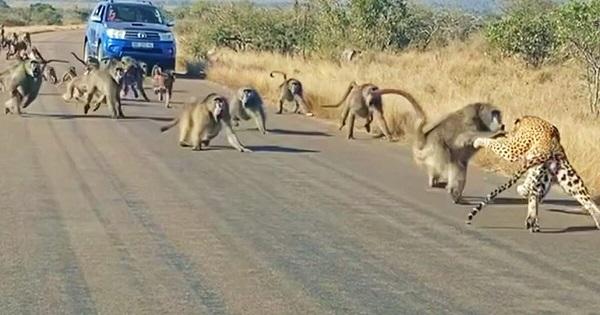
[(41, 13), (578, 26), (525, 32)]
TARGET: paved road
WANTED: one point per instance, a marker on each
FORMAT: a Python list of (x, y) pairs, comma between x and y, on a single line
[(105, 216)]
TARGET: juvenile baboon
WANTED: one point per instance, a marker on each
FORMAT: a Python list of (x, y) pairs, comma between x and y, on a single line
[(200, 122), (69, 74), (291, 91), (49, 74), (364, 101), (162, 82), (247, 104), (445, 147), (23, 82)]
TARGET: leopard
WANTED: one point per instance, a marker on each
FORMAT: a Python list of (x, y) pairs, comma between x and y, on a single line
[(536, 142)]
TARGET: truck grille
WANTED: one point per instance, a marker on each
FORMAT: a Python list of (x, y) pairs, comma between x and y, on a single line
[(133, 35)]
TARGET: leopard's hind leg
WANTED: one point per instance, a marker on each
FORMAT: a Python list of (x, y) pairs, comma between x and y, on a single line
[(537, 183), (573, 185)]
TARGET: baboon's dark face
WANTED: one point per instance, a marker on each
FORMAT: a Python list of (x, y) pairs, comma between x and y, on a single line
[(156, 70), (247, 95), (295, 87), (491, 117), (119, 74), (219, 106), (144, 67), (34, 69), (372, 98)]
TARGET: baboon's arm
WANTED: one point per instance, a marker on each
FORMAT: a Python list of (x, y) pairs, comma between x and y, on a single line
[(466, 139), (233, 139)]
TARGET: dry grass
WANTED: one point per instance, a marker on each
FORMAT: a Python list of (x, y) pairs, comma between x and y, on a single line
[(36, 29), (442, 80)]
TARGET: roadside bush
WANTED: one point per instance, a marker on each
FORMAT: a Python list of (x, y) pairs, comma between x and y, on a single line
[(526, 31), (41, 13), (323, 27), (242, 27)]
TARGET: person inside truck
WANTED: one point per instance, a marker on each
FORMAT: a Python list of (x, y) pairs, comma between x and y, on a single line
[(112, 14)]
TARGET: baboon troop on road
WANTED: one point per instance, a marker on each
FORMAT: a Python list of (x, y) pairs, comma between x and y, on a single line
[(443, 148)]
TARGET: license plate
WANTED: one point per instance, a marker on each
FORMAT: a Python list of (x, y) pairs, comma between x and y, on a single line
[(142, 45)]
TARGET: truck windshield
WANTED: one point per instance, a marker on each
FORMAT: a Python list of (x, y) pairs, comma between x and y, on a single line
[(133, 13)]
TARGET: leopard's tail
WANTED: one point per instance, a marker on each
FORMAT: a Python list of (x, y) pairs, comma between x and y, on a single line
[(492, 195)]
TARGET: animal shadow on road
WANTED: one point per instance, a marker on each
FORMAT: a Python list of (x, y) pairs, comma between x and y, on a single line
[(519, 201), (279, 149), (260, 148), (299, 132), (92, 116), (570, 229)]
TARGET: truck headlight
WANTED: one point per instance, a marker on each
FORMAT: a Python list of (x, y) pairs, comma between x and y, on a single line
[(116, 34), (167, 37)]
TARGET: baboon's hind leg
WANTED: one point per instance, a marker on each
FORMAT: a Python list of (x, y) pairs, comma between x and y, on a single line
[(351, 126)]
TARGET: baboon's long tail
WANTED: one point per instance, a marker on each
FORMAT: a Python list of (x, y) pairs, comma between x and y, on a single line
[(421, 117), (79, 59), (278, 72), (172, 124), (348, 90)]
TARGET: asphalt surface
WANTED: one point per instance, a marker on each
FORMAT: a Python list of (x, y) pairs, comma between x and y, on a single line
[(111, 216)]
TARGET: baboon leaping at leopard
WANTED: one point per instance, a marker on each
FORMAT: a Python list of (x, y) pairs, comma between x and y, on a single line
[(445, 147)]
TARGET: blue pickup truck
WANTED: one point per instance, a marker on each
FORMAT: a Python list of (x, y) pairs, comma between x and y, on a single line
[(130, 28)]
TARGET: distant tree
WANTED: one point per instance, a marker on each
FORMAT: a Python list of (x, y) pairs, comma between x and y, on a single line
[(527, 30), (3, 5), (579, 28)]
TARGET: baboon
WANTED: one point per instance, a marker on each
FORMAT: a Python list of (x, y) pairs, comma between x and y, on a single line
[(26, 39), (247, 104), (134, 77), (99, 84), (291, 90), (49, 74), (23, 82), (349, 54), (18, 46), (144, 68), (69, 75), (445, 147), (162, 82), (200, 122), (364, 101)]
